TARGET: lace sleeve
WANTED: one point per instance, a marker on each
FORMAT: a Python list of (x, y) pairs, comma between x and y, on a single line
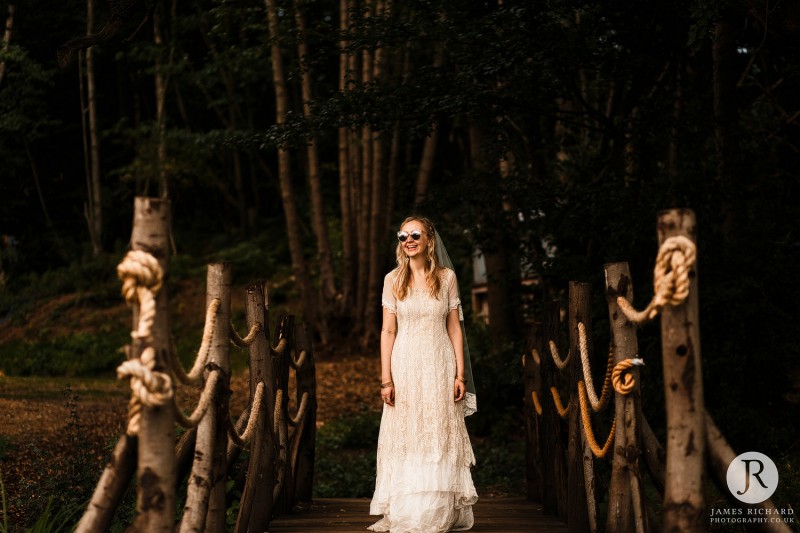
[(387, 298), (453, 298)]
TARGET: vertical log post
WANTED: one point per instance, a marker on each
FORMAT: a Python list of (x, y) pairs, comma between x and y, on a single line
[(284, 503), (684, 505), (219, 286), (533, 382), (626, 510), (554, 470), (211, 437), (156, 466), (306, 383), (256, 504), (580, 310)]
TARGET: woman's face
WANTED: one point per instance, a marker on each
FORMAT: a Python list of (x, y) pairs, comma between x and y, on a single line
[(412, 247)]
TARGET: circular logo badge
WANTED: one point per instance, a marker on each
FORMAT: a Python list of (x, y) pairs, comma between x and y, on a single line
[(752, 477)]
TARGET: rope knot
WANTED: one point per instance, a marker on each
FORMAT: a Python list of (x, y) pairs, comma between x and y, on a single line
[(139, 269), (671, 281)]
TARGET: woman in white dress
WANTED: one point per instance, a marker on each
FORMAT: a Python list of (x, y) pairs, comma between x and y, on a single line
[(423, 482)]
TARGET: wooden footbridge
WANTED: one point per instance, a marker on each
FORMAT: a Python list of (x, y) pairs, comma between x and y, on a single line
[(270, 488)]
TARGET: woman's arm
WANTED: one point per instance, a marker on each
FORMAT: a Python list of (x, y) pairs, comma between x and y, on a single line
[(388, 334), (454, 332)]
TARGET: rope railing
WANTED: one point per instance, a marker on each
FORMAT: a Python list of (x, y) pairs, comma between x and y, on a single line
[(208, 450), (563, 411), (247, 434), (301, 411), (671, 280), (583, 345), (244, 342), (560, 364), (194, 376), (207, 394), (598, 452)]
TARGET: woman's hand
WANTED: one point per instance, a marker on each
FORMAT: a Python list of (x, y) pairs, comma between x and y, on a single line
[(387, 395), (459, 389)]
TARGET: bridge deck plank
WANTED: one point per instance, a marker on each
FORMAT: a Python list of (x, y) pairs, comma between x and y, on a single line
[(492, 515)]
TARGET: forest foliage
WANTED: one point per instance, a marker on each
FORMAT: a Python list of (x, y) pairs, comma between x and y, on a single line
[(545, 134)]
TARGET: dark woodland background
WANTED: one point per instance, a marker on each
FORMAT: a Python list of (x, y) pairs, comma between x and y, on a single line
[(546, 134)]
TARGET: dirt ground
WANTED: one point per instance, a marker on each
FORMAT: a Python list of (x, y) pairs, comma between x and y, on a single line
[(43, 420)]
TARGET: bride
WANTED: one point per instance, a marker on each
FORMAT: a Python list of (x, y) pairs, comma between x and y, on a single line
[(423, 482)]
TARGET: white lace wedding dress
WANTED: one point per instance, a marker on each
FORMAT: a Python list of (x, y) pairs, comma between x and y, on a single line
[(423, 480)]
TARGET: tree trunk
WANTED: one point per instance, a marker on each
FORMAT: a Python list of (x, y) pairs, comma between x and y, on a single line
[(9, 27), (325, 256), (161, 94), (156, 463), (299, 268), (684, 505), (345, 179), (578, 519), (95, 211), (626, 495)]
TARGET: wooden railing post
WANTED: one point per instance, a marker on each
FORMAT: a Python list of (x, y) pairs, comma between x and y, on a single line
[(219, 286), (578, 519), (626, 503), (283, 504), (684, 506), (533, 382), (255, 506), (202, 498), (554, 468), (307, 428), (156, 461)]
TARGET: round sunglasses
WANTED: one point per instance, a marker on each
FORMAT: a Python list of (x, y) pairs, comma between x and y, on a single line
[(402, 236)]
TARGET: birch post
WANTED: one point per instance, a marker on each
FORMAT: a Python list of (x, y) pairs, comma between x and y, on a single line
[(531, 363), (219, 286), (256, 503), (578, 520), (684, 505), (156, 462), (554, 471), (207, 446), (626, 509)]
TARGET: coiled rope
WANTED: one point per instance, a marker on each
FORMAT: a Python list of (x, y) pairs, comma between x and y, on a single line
[(675, 260), (626, 385), (280, 430), (141, 277), (583, 345), (587, 425)]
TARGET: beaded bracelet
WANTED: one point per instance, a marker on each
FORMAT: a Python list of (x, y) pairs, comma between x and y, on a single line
[(387, 384)]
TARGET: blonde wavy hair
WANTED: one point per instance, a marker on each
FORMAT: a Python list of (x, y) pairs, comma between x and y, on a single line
[(402, 280)]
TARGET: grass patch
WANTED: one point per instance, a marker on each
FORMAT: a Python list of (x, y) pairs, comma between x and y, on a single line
[(345, 456), (79, 354)]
